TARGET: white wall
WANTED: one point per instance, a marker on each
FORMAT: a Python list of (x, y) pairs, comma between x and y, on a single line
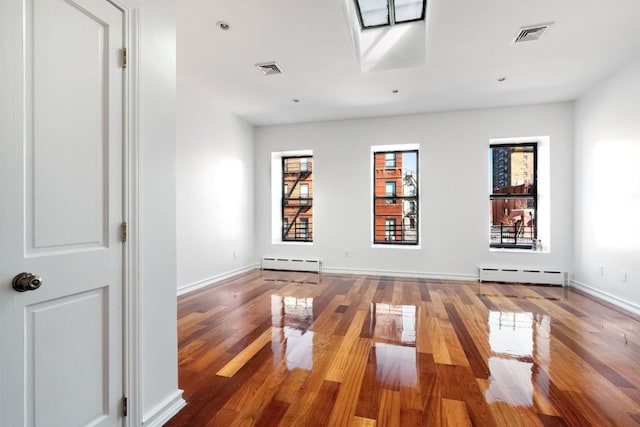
[(215, 188), (454, 189), (157, 245), (607, 183)]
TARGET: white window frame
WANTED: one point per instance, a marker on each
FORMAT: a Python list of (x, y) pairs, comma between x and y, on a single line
[(394, 147), (276, 195), (543, 187)]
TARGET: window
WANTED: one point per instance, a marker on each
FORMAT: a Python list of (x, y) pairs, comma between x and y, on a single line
[(395, 197), (389, 229), (379, 13), (390, 189), (304, 227), (390, 192), (514, 197), (390, 160), (304, 193), (297, 206)]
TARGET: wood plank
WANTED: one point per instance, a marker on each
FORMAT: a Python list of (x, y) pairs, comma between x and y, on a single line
[(245, 355), (288, 392), (439, 345), (430, 390), (223, 417), (272, 414), (338, 367), (389, 410), (452, 343), (369, 397), (454, 413), (363, 422), (345, 406), (459, 383), (476, 361), (323, 405), (551, 421), (635, 417)]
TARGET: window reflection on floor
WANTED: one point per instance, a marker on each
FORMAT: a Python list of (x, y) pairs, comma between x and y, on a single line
[(285, 277), (394, 344), (292, 342), (517, 341), (395, 324)]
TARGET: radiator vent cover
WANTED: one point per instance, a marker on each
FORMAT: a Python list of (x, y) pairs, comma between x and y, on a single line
[(531, 33), (539, 276), (291, 264)]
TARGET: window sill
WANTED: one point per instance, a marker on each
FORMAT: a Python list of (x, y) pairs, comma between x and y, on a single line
[(282, 242), (392, 246), (519, 251)]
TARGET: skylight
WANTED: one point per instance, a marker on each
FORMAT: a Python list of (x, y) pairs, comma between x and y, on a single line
[(379, 13), (408, 10)]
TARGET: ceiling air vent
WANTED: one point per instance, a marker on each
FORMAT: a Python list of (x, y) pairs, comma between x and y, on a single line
[(531, 33), (269, 68)]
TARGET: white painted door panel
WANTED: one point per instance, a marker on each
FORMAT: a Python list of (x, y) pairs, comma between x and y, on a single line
[(61, 208)]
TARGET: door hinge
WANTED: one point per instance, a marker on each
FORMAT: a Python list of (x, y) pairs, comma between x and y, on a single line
[(123, 232), (124, 406), (124, 57)]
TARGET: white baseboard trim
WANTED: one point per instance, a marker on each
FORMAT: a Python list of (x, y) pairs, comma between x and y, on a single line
[(162, 412), (617, 301), (413, 274), (215, 279)]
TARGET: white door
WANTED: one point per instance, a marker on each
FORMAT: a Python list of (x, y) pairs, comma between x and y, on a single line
[(61, 208)]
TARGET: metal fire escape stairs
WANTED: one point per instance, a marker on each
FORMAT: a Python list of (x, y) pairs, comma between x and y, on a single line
[(410, 181)]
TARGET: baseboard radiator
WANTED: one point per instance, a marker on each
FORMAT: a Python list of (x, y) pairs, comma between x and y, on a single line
[(291, 264), (523, 275)]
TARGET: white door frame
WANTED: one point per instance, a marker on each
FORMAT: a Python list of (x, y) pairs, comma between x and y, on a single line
[(131, 194)]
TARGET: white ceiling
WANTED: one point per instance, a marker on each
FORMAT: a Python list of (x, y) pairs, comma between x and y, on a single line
[(468, 47)]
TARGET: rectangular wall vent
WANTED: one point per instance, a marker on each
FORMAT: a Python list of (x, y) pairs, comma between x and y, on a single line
[(268, 68), (291, 264), (531, 33), (523, 275)]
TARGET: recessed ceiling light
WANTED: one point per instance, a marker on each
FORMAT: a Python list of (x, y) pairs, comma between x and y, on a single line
[(295, 100), (395, 91), (223, 25), (501, 79)]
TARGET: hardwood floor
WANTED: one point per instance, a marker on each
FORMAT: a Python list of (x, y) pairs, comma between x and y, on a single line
[(294, 349)]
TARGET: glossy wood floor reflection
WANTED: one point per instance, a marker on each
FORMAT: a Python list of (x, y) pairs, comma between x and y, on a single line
[(294, 349)]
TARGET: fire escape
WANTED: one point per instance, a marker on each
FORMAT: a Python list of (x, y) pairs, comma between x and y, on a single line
[(296, 172), (409, 207)]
